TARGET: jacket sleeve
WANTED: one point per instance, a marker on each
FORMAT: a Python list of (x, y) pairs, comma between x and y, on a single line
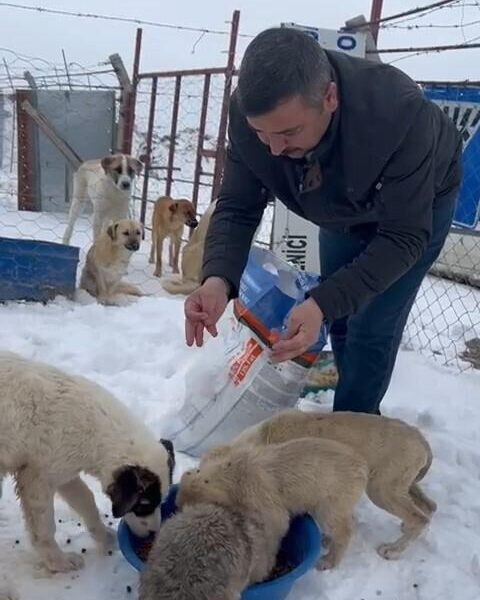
[(404, 205), (239, 210)]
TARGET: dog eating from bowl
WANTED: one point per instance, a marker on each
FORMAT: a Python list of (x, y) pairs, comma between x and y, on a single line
[(55, 427)]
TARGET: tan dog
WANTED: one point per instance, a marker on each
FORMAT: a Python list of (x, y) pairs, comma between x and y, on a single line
[(107, 261), (168, 220), (207, 552), (397, 454), (192, 258), (321, 477)]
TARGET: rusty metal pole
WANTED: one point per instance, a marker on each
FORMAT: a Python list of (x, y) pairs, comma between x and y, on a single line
[(148, 152), (222, 128), (201, 138), (375, 16), (128, 126), (173, 135)]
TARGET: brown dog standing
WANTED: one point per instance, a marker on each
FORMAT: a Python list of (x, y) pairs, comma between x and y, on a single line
[(108, 259), (192, 258), (168, 220)]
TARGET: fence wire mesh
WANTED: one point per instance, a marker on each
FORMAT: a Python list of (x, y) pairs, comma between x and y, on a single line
[(445, 320)]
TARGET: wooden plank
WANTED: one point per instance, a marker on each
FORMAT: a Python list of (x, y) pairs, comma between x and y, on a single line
[(45, 126)]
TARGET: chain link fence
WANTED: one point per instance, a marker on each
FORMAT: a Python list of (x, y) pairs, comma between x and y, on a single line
[(445, 320), (35, 179)]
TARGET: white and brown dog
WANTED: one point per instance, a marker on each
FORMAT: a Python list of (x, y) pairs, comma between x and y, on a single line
[(54, 427), (108, 259), (107, 183)]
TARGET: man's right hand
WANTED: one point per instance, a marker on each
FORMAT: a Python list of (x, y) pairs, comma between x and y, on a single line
[(204, 308)]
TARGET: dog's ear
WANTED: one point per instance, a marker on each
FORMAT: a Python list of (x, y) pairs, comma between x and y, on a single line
[(112, 231), (128, 486), (173, 207), (106, 163), (168, 445), (135, 164), (124, 491)]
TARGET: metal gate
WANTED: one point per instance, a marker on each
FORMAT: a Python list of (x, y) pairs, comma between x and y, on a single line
[(180, 126)]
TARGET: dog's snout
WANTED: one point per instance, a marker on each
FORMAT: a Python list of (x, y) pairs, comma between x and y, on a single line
[(192, 223), (133, 246), (125, 185)]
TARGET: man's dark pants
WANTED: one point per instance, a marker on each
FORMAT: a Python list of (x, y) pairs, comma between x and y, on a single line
[(365, 345)]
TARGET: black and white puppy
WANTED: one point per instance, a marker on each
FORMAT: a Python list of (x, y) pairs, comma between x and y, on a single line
[(144, 516)]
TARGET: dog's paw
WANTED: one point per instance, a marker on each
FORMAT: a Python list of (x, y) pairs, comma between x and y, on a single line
[(107, 541), (389, 551), (64, 562), (8, 595), (325, 563), (107, 301), (6, 590)]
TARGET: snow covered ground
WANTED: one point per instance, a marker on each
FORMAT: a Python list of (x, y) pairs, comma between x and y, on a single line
[(137, 352)]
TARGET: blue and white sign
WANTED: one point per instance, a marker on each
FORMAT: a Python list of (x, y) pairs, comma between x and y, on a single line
[(330, 39), (462, 105)]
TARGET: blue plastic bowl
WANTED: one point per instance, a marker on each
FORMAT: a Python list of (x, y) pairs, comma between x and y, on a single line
[(301, 546)]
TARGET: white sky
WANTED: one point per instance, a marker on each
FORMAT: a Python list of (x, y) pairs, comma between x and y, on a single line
[(88, 41)]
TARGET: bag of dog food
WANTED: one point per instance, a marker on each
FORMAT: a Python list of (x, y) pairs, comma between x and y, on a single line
[(241, 386)]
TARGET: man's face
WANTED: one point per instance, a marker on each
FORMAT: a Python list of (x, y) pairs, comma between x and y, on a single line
[(294, 127)]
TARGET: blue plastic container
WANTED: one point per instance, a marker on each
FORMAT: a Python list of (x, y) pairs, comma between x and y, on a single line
[(36, 271), (301, 545)]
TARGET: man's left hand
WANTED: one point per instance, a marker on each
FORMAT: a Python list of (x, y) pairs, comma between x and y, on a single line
[(303, 330)]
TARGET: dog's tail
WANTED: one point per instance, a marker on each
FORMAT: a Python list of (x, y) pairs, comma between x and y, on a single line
[(179, 286), (429, 458)]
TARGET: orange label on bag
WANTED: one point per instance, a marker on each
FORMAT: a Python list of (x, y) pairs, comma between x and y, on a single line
[(241, 366)]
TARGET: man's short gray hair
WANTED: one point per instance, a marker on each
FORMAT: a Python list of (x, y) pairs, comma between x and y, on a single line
[(278, 64)]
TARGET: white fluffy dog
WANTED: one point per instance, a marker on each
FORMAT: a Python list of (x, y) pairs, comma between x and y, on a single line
[(55, 426), (107, 183)]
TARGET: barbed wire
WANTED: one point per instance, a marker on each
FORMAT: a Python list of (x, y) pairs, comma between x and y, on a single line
[(435, 26), (135, 21), (470, 44), (415, 13), (419, 15), (460, 25)]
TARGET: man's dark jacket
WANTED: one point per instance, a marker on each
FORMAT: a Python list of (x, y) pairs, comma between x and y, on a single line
[(389, 155)]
